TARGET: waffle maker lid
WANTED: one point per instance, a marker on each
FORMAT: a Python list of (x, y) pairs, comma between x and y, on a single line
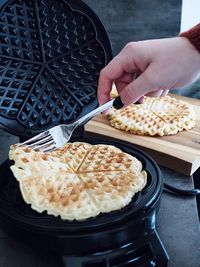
[(51, 53)]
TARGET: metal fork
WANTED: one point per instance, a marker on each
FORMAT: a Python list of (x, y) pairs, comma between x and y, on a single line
[(57, 136)]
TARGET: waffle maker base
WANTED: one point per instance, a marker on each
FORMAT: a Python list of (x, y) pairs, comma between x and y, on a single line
[(119, 239)]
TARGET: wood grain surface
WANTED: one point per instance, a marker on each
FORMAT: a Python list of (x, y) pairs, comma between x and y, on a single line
[(180, 152)]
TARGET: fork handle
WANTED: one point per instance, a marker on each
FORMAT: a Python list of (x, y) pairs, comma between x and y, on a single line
[(96, 111)]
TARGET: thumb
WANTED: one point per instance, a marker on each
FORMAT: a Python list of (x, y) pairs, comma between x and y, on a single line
[(137, 88)]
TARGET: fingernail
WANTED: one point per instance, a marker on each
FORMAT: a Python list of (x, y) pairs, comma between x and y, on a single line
[(117, 104)]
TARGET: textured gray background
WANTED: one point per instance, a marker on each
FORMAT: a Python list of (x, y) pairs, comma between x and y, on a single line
[(134, 20)]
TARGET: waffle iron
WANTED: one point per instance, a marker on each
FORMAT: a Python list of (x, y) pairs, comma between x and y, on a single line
[(51, 53), (127, 236)]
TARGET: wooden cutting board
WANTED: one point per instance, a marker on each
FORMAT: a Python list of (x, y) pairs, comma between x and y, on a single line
[(180, 152)]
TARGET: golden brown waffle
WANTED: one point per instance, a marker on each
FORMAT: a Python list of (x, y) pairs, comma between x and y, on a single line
[(77, 181), (156, 116), (103, 158), (72, 153), (113, 190)]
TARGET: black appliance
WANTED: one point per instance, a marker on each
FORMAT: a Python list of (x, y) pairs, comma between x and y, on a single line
[(121, 238), (51, 52)]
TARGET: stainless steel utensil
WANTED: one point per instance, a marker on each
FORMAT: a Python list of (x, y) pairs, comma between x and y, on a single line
[(58, 135)]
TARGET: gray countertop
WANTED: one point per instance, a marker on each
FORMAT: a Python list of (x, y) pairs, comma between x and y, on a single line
[(177, 226), (178, 223)]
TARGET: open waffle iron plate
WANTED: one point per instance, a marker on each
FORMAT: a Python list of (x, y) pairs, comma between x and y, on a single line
[(51, 53)]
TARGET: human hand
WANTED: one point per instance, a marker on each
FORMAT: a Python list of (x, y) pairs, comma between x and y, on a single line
[(160, 65)]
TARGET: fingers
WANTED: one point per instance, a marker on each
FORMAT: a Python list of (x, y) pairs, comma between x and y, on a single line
[(140, 100), (113, 72), (158, 93), (135, 90), (145, 84), (131, 60), (165, 92), (104, 89), (123, 81), (155, 93)]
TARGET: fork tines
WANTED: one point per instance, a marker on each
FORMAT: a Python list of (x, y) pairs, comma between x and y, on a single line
[(43, 141)]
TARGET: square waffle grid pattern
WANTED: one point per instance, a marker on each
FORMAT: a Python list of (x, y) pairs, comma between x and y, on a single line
[(50, 59)]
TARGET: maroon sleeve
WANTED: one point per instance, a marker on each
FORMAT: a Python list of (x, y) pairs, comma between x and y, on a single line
[(193, 35)]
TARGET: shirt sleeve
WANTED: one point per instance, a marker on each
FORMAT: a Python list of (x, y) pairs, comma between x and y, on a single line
[(193, 35)]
